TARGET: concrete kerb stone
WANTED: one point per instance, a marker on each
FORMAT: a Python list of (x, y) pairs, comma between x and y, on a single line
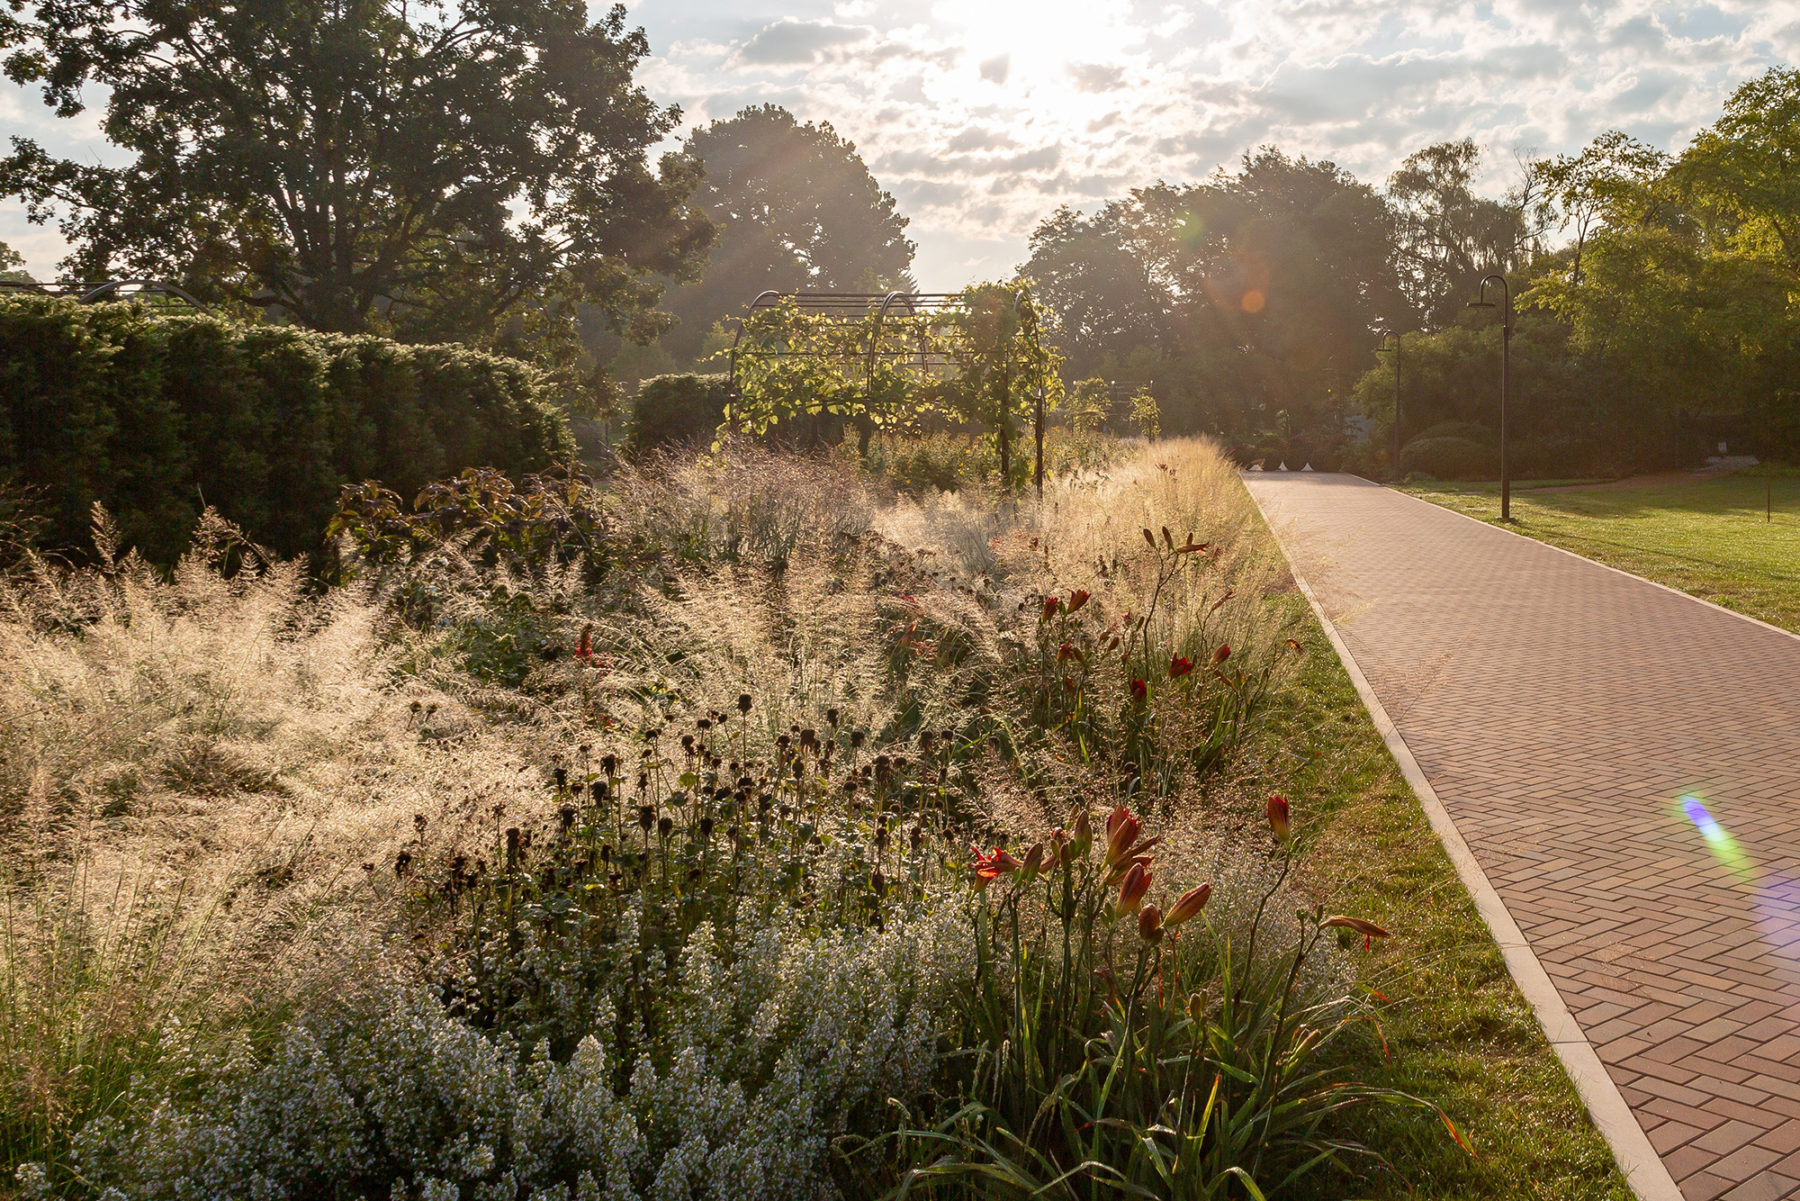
[(1643, 1168)]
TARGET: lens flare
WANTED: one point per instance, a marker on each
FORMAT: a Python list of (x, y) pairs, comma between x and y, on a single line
[(1724, 847)]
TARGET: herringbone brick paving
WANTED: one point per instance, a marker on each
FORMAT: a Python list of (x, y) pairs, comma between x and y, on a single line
[(1624, 763)]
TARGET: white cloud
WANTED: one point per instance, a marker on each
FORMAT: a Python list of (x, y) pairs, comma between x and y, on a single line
[(790, 41), (982, 118)]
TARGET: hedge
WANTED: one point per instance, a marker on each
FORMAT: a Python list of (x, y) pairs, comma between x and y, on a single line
[(1447, 458), (676, 409), (157, 417)]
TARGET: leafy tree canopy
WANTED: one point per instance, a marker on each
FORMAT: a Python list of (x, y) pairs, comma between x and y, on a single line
[(1450, 236), (796, 209), (12, 264), (1744, 171), (1254, 290), (430, 168)]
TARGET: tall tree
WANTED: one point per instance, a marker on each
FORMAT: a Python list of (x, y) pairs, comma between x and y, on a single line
[(796, 209), (1255, 293), (1105, 279), (431, 167), (1743, 172), (12, 265), (1449, 235), (1607, 184)]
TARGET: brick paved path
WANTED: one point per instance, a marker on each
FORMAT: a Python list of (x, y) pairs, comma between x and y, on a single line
[(1624, 762)]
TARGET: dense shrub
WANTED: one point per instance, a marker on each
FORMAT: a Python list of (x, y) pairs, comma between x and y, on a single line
[(1449, 459), (1472, 431), (158, 418), (676, 409)]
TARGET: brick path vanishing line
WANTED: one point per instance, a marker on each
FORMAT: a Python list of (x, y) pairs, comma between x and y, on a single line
[(1624, 763)]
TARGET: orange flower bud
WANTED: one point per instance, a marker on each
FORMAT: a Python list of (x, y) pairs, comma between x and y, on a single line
[(1122, 831), (1369, 930), (1077, 599), (1278, 817), (1188, 905), (1219, 656), (1083, 839), (1150, 924), (1132, 890)]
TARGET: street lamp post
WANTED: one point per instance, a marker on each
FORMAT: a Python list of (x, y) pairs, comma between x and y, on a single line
[(1399, 352), (1482, 302)]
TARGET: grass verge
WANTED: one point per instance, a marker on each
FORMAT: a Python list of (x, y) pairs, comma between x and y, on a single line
[(1733, 540), (1457, 1032)]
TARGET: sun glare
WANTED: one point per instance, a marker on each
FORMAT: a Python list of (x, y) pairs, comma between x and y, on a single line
[(1041, 39)]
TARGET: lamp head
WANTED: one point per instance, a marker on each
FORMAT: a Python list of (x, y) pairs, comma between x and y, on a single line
[(1481, 304)]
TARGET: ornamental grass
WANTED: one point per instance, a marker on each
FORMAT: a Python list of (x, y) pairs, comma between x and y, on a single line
[(739, 828)]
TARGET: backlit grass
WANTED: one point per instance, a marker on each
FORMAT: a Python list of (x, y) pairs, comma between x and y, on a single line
[(1732, 540)]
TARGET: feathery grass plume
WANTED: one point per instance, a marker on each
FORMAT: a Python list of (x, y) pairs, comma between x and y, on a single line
[(192, 771)]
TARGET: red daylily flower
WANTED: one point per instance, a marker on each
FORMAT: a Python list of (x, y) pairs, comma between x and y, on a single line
[(1051, 605), (1179, 666), (1077, 599), (1140, 691), (992, 866)]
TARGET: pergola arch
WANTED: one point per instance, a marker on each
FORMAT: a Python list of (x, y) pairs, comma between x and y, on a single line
[(872, 309), (94, 291)]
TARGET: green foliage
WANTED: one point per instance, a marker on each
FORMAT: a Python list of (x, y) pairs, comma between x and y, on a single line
[(1481, 435), (12, 265), (1449, 237), (156, 418), (1089, 403), (796, 209), (432, 170), (1250, 294), (1450, 458), (1146, 415), (671, 410), (691, 985), (993, 340), (979, 360), (1128, 1051)]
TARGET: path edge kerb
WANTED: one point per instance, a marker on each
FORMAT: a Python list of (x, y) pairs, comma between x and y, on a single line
[(1643, 1168)]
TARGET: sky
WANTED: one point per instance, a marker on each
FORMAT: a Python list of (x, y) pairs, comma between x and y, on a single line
[(983, 116)]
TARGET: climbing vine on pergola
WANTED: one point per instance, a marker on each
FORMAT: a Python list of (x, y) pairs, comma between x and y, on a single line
[(882, 361)]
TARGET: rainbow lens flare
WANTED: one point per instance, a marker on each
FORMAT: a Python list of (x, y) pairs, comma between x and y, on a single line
[(1724, 847)]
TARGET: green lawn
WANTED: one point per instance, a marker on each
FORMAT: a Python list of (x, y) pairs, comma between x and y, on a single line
[(1454, 1029), (1708, 537)]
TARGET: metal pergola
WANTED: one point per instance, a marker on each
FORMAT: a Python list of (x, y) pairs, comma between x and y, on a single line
[(873, 307), (93, 291)]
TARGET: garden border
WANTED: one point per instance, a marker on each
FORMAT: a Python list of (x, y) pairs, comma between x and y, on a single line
[(1643, 1168)]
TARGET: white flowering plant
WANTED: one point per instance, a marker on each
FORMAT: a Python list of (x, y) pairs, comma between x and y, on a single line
[(701, 981)]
